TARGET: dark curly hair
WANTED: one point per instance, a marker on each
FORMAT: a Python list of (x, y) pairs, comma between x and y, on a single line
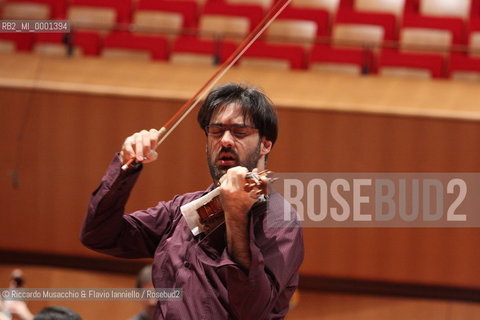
[(255, 105)]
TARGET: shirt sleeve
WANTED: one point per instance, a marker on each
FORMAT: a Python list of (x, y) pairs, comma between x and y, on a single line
[(107, 229), (264, 291)]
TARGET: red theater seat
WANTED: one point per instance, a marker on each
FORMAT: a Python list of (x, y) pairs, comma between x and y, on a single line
[(318, 16), (254, 13), (353, 60), (83, 43), (192, 50), (122, 7), (463, 63), (188, 10), (18, 41), (155, 46), (300, 26), (473, 27), (413, 18), (390, 59), (475, 11), (228, 21), (330, 5), (192, 44), (269, 55), (34, 9), (263, 3), (426, 40), (349, 15), (358, 32)]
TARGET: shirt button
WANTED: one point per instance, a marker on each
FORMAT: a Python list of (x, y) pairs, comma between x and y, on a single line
[(186, 264)]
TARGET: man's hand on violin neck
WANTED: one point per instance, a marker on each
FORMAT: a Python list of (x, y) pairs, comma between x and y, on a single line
[(140, 146), (236, 202)]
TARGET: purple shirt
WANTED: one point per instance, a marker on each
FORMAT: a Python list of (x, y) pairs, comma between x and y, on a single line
[(214, 285)]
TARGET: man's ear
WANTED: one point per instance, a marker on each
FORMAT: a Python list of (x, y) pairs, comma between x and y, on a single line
[(265, 147)]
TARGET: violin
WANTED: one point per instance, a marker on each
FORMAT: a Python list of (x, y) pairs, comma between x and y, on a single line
[(213, 210), (206, 213)]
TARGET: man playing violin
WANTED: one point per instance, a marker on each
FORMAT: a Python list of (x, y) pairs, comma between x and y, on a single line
[(242, 269)]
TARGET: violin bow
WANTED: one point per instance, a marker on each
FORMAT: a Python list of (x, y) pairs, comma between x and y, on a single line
[(188, 106)]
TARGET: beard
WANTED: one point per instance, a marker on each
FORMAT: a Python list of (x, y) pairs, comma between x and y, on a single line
[(217, 172)]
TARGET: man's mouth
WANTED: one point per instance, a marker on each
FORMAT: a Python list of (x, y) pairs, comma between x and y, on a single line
[(226, 159)]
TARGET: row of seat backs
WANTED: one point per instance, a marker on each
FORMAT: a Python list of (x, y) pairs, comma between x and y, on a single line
[(440, 8), (190, 49), (356, 22)]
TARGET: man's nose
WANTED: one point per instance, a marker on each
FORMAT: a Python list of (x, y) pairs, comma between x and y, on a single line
[(227, 139)]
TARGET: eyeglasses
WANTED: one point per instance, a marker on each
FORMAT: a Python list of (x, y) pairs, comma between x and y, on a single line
[(239, 131)]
